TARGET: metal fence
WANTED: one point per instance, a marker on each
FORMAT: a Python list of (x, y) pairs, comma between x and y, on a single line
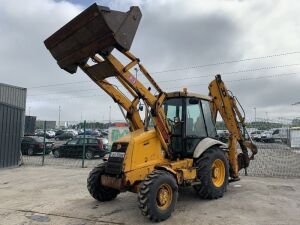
[(275, 159), (80, 155)]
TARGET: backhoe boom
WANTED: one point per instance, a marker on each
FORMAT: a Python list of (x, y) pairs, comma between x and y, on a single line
[(226, 104)]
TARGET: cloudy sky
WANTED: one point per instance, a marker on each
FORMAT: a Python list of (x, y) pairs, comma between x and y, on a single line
[(254, 44)]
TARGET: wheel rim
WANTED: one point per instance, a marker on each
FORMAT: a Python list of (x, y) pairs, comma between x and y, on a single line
[(218, 172), (56, 154), (88, 155), (164, 196)]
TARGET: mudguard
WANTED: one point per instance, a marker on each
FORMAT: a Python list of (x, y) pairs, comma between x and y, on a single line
[(205, 144)]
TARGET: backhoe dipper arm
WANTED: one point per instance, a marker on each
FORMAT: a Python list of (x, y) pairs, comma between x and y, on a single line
[(226, 104)]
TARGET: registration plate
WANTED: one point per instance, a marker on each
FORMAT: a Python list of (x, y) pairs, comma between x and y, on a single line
[(117, 154)]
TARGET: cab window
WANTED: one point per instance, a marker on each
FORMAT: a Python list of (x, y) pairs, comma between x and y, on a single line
[(195, 125), (72, 142), (80, 142), (92, 141), (173, 108)]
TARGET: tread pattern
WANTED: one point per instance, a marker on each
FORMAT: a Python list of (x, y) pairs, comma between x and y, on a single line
[(95, 188), (206, 189), (146, 205)]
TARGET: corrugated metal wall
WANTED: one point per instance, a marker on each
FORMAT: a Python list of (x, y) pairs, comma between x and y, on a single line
[(12, 117), (12, 95)]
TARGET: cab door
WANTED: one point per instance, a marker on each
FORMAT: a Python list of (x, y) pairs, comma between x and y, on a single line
[(173, 108), (199, 124)]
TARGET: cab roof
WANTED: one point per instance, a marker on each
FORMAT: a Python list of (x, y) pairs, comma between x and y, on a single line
[(187, 94)]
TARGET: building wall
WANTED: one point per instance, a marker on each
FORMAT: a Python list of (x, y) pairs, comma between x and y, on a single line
[(49, 124), (12, 117), (294, 137), (12, 95), (30, 122)]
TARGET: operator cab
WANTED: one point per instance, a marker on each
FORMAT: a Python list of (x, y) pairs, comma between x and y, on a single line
[(190, 117)]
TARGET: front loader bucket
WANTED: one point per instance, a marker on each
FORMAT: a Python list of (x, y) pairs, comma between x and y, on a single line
[(96, 30)]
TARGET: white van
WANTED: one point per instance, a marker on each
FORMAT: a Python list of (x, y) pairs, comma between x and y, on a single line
[(280, 134)]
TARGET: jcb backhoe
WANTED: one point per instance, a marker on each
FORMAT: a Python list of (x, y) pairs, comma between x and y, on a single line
[(181, 147)]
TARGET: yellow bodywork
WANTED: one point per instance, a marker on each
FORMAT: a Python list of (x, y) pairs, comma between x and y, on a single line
[(145, 154)]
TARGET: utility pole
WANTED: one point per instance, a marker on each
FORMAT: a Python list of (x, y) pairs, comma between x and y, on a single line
[(59, 109), (109, 115), (254, 114), (136, 71), (267, 117)]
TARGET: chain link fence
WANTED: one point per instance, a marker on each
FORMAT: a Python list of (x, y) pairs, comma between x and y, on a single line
[(277, 157)]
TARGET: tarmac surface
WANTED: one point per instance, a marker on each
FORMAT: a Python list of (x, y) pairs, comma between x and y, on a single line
[(49, 195)]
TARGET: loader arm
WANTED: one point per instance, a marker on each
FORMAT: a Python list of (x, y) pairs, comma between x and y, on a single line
[(93, 35), (110, 66), (225, 103), (133, 116)]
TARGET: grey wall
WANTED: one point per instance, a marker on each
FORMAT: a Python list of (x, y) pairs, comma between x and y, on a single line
[(11, 128), (13, 95), (50, 124), (12, 117), (30, 123)]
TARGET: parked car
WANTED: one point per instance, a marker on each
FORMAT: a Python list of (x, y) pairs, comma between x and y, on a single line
[(59, 132), (75, 132), (223, 135), (280, 134), (49, 133), (74, 148), (266, 137), (105, 143), (86, 132), (32, 145), (65, 136), (256, 135)]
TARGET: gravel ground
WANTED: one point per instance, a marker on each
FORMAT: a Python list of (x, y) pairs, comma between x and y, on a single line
[(59, 196)]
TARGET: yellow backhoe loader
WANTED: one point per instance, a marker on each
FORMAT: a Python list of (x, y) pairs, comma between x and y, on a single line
[(176, 143)]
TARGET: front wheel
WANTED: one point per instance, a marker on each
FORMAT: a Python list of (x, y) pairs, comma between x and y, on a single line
[(157, 196), (96, 189), (213, 173)]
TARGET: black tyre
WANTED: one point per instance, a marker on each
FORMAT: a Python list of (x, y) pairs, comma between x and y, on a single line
[(30, 152), (157, 196), (56, 153), (89, 154), (213, 172), (98, 191)]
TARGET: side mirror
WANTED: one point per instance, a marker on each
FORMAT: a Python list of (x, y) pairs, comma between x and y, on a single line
[(193, 101)]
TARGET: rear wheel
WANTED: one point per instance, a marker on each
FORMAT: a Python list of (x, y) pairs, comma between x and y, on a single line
[(56, 153), (158, 195), (89, 154), (30, 152), (98, 191), (213, 174)]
